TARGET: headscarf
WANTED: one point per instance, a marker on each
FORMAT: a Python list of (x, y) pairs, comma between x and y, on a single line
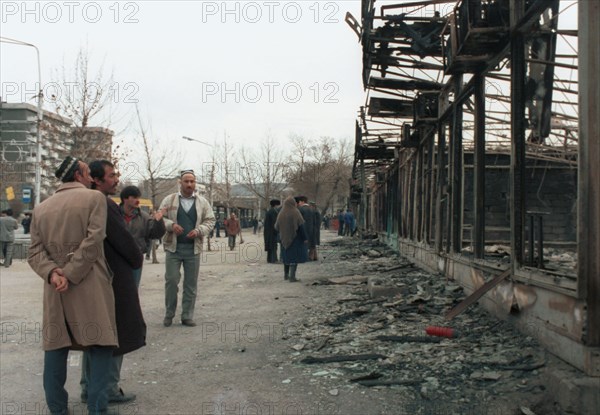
[(288, 221)]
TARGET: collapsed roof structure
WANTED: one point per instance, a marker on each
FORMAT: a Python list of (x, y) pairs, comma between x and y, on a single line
[(476, 154)]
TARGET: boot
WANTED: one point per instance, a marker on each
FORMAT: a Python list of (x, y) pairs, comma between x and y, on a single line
[(286, 272), (293, 268)]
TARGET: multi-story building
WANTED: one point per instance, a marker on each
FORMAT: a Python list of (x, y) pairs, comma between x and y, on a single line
[(59, 138)]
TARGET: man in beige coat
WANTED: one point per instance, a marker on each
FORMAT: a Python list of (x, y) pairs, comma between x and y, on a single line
[(67, 252), (189, 218)]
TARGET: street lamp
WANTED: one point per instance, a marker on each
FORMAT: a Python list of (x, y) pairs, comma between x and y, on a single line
[(212, 179), (197, 141), (38, 152), (212, 173)]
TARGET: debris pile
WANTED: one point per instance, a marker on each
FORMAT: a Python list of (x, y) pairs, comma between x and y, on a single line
[(371, 331)]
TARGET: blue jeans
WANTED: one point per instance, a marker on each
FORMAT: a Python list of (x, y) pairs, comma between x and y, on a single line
[(113, 370), (55, 376), (191, 267)]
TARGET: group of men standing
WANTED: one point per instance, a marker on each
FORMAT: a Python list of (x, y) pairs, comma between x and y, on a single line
[(346, 223), (89, 252), (312, 227)]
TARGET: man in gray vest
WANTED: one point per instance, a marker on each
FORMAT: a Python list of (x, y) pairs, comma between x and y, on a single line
[(189, 218)]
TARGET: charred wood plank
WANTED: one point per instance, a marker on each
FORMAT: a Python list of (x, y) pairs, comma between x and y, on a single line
[(370, 376), (309, 360), (477, 294), (389, 382), (410, 339)]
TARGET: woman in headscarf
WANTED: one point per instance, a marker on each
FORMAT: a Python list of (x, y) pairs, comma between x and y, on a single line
[(294, 248)]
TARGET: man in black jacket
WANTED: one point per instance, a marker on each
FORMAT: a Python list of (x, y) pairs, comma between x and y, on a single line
[(270, 234), (140, 225), (123, 256)]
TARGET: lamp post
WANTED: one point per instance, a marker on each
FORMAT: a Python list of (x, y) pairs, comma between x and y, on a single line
[(40, 97), (212, 172), (197, 141), (212, 181)]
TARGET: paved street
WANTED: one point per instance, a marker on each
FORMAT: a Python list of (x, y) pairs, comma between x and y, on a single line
[(244, 357)]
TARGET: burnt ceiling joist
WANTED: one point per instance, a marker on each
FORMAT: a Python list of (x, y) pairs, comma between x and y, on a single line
[(412, 52)]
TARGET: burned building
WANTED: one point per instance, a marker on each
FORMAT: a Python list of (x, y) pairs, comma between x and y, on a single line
[(477, 153)]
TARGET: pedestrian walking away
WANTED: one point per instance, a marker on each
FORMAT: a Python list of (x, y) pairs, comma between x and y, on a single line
[(294, 240), (232, 226), (8, 226), (316, 233), (341, 220), (189, 218), (67, 252)]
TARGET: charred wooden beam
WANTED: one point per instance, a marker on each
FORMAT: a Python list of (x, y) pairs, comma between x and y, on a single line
[(589, 170), (389, 382), (387, 83), (388, 107), (479, 169), (518, 123), (309, 360), (440, 179), (457, 172), (476, 295)]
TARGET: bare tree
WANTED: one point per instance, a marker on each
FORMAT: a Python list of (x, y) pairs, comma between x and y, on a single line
[(264, 173), (220, 173), (211, 188), (159, 165), (321, 170), (84, 97)]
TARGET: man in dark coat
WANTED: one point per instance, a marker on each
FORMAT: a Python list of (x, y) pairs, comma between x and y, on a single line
[(309, 223), (312, 253), (123, 256), (340, 218), (270, 234)]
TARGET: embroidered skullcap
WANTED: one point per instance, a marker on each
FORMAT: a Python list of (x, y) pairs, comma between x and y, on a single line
[(68, 165), (188, 171)]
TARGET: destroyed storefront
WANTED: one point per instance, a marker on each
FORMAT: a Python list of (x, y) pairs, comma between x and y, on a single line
[(476, 155)]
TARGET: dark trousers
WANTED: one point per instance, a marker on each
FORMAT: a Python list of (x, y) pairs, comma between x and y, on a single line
[(272, 254), (55, 376)]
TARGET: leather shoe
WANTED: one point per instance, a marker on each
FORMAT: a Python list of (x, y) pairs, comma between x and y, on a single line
[(188, 322), (167, 321), (121, 397)]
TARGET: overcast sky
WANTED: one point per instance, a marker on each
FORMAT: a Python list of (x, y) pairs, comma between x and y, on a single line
[(199, 68)]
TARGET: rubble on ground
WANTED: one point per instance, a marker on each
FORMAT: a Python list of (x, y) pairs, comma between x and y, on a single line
[(488, 360)]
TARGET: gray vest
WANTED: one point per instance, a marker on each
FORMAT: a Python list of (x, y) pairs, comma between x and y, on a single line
[(188, 221)]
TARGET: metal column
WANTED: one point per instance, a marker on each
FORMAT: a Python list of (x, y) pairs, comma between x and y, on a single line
[(589, 169)]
